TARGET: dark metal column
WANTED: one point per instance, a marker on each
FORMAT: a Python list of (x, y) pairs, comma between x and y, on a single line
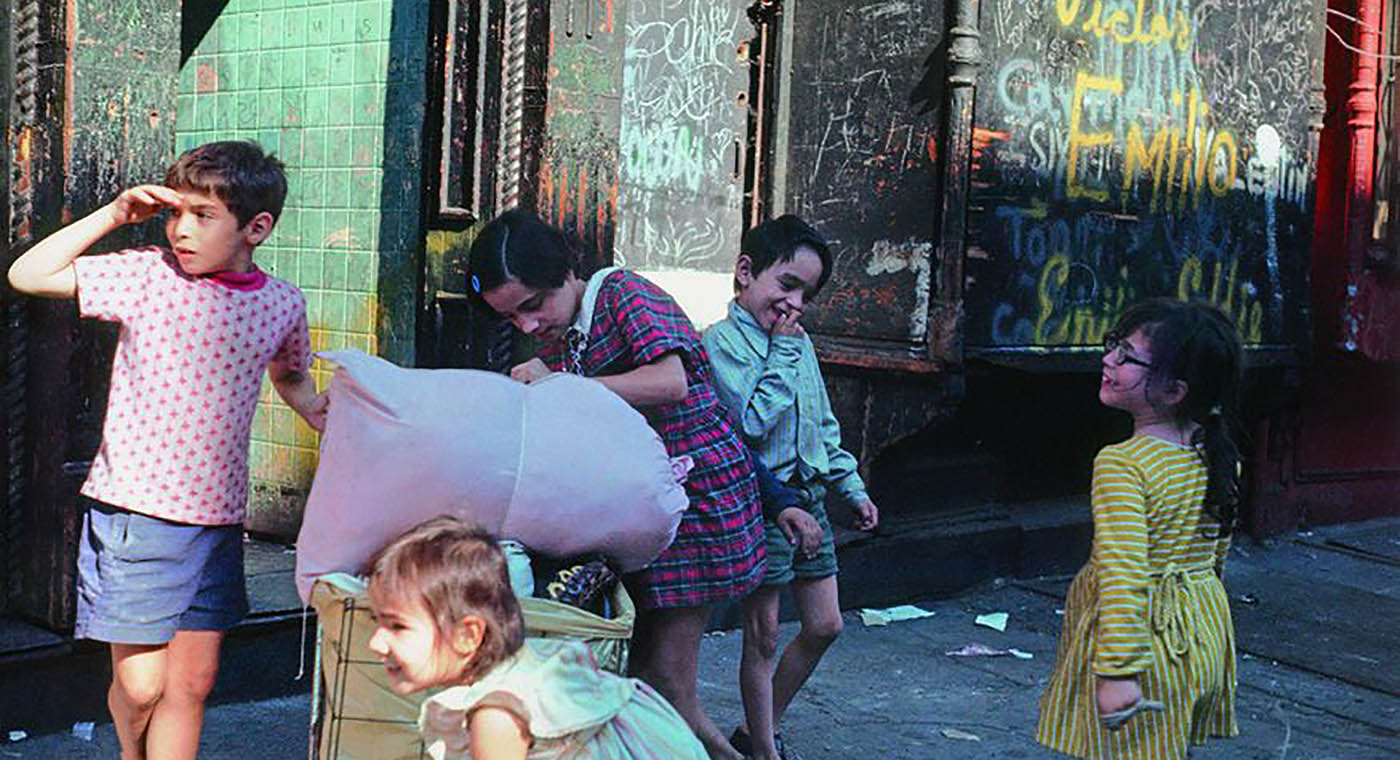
[(12, 331), (964, 60), (29, 146), (94, 112)]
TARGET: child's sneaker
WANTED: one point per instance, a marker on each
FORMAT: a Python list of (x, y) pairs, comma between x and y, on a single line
[(740, 741)]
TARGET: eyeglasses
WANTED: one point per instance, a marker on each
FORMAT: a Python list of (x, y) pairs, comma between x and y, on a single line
[(1116, 350)]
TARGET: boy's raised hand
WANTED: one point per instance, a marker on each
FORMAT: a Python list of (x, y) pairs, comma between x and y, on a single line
[(137, 204), (867, 515), (46, 269)]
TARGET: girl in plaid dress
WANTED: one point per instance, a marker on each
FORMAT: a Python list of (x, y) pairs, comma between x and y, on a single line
[(632, 337)]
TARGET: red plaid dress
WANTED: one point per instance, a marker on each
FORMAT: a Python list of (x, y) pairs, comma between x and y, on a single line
[(718, 551)]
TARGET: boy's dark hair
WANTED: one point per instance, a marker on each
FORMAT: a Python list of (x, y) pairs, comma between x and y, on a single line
[(1196, 343), (777, 240), (517, 245), (236, 172), (455, 568)]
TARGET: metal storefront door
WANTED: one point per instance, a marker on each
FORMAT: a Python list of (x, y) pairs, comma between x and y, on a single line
[(864, 117)]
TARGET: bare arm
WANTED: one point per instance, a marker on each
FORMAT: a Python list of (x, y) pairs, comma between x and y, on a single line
[(497, 735), (660, 382), (298, 389), (46, 269)]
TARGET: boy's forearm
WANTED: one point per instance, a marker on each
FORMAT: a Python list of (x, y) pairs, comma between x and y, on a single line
[(763, 410), (851, 486), (755, 388), (775, 392), (772, 396), (47, 268), (297, 389)]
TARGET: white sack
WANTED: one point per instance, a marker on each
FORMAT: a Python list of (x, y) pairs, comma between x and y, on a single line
[(564, 466)]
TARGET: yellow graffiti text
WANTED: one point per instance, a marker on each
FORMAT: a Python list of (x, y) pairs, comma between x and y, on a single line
[(1080, 324), (1061, 321), (1218, 283), (1080, 140), (1137, 28), (1223, 146), (1181, 163), (1140, 158)]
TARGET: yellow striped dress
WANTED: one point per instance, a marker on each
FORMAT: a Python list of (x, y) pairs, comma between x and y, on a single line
[(1148, 603)]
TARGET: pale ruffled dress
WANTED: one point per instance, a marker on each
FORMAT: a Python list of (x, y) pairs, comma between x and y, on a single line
[(572, 708)]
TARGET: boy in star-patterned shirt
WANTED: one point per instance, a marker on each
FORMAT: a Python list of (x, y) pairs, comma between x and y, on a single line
[(160, 564)]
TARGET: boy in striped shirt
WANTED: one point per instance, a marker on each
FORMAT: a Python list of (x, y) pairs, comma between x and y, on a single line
[(767, 374)]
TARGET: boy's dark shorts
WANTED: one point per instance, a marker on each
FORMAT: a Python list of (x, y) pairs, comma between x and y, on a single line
[(785, 562), (141, 578)]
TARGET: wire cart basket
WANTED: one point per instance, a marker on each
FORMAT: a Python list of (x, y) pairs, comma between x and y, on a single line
[(354, 713)]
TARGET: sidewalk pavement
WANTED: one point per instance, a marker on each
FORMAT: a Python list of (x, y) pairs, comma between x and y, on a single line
[(1316, 619)]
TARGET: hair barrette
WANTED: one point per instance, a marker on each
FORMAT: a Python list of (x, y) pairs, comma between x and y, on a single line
[(476, 285)]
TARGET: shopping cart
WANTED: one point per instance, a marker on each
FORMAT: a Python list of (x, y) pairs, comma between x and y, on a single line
[(354, 713)]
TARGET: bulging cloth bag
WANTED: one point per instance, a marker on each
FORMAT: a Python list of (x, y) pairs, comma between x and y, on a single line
[(563, 466)]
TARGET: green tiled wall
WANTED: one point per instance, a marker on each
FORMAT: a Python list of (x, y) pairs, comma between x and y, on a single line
[(314, 82)]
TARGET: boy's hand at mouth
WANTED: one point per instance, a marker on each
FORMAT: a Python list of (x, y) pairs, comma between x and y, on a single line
[(787, 324)]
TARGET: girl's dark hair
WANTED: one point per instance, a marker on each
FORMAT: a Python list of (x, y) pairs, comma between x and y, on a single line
[(777, 240), (455, 568), (517, 245), (1196, 343)]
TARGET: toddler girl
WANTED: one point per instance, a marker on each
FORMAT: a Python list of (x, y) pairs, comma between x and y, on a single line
[(1146, 661), (445, 616)]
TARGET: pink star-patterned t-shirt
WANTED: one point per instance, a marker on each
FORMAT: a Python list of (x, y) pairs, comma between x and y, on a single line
[(185, 381)]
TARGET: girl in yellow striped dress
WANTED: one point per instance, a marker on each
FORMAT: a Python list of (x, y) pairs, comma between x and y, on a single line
[(1146, 661)]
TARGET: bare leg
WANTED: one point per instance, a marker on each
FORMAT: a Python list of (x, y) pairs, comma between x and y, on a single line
[(192, 664), (639, 650), (673, 651), (760, 651), (138, 678), (820, 609)]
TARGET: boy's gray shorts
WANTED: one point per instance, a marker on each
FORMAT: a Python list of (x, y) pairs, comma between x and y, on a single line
[(141, 578), (784, 563)]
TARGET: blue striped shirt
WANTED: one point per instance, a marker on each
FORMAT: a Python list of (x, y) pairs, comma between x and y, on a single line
[(773, 388)]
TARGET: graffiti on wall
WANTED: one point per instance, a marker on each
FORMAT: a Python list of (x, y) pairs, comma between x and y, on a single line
[(684, 110), (862, 162), (578, 172), (1133, 148)]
